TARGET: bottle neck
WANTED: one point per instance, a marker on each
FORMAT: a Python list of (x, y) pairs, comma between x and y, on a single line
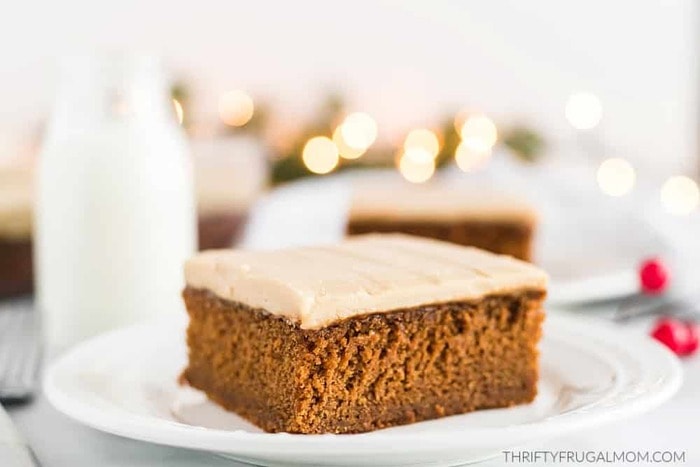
[(96, 92)]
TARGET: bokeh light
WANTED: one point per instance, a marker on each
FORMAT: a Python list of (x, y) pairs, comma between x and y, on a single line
[(359, 130), (236, 108), (320, 155), (416, 165), (616, 177), (680, 195), (179, 111), (470, 158), (460, 119), (424, 139), (345, 150), (479, 131), (583, 110)]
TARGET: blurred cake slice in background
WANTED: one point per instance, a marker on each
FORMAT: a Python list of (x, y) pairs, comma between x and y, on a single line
[(483, 217), (230, 174), (16, 211)]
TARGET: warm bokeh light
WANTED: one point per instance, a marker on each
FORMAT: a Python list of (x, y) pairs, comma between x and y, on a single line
[(359, 130), (460, 119), (470, 158), (583, 110), (179, 111), (422, 138), (616, 177), (417, 165), (320, 155), (345, 150), (479, 131), (236, 108), (680, 195)]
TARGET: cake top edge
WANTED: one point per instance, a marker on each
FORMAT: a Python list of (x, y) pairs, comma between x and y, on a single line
[(318, 285), (16, 202), (436, 203)]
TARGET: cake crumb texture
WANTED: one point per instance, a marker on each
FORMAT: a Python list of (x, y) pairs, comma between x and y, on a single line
[(366, 372)]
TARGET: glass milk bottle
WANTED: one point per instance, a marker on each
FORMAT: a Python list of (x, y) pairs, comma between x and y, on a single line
[(115, 207)]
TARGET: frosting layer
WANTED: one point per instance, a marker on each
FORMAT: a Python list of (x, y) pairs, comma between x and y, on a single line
[(437, 203), (317, 286), (16, 202)]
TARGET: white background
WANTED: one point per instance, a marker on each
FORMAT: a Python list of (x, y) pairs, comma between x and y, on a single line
[(404, 62)]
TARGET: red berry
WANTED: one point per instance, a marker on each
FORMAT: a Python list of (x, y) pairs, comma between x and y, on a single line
[(680, 337), (653, 276), (694, 338)]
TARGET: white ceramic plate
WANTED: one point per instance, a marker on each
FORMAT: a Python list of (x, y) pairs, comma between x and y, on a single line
[(125, 382), (590, 251)]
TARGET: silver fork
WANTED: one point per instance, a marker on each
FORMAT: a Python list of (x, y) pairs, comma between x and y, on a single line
[(20, 351)]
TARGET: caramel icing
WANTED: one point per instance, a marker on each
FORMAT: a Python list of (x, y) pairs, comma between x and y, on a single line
[(436, 203), (317, 286), (16, 202)]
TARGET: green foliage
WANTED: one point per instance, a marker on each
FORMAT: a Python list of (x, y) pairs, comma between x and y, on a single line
[(525, 143), (450, 141)]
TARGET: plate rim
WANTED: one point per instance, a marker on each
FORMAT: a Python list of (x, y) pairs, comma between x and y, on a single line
[(178, 434)]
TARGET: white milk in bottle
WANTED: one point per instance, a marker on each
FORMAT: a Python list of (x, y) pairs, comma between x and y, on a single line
[(115, 210)]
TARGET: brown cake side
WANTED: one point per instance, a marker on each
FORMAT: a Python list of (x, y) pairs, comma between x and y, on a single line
[(16, 276), (500, 237), (366, 372), (219, 230)]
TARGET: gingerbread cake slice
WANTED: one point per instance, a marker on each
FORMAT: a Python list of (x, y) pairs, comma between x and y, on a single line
[(16, 211), (377, 331), (482, 217)]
